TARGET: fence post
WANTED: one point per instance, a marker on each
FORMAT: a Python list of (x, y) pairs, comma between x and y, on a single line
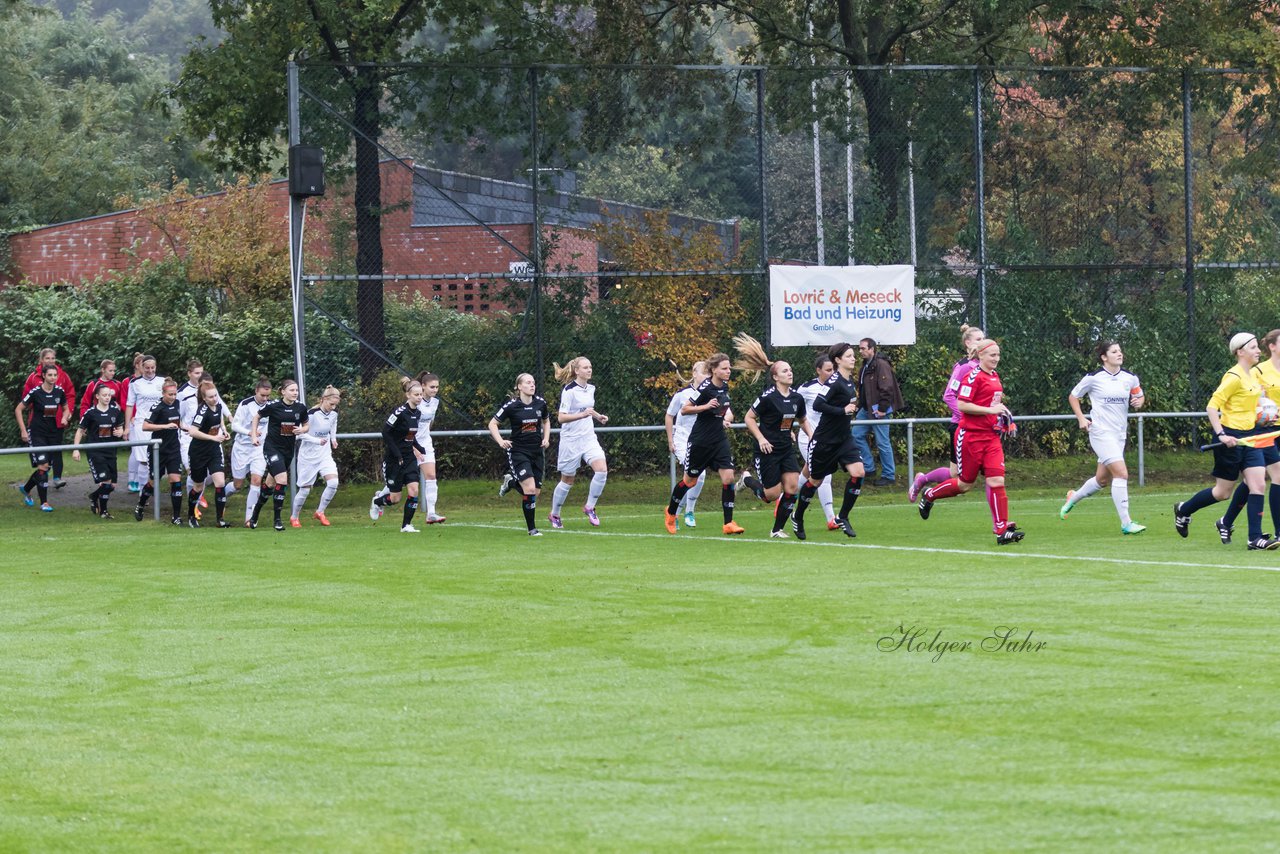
[(911, 450), (155, 479), (1142, 458), (764, 205), (980, 196), (1189, 267), (535, 239)]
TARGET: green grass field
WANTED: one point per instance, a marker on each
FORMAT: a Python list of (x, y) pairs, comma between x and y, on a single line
[(471, 689)]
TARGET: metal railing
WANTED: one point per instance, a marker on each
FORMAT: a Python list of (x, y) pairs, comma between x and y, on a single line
[(153, 444)]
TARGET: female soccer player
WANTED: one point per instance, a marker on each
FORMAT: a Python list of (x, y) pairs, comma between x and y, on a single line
[(1267, 372), (286, 420), (102, 422), (832, 447), (315, 456), (578, 444), (208, 430), (770, 421), (401, 455), (1111, 390), (145, 392), (427, 410), (983, 416), (709, 442), (247, 459), (135, 477), (106, 376), (164, 423), (530, 421), (1232, 413), (678, 427), (969, 337), (823, 368), (48, 405)]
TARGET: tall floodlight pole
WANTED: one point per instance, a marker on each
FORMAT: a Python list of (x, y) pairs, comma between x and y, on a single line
[(297, 216), (817, 160)]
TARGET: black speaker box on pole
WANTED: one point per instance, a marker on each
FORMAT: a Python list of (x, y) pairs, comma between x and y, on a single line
[(306, 170)]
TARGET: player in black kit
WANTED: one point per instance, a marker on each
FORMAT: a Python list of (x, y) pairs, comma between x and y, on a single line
[(770, 420), (285, 418), (401, 455), (832, 445), (208, 430), (102, 422), (163, 423), (708, 448), (530, 422), (47, 403)]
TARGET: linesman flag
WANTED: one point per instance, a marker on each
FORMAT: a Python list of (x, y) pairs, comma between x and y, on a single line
[(1258, 440)]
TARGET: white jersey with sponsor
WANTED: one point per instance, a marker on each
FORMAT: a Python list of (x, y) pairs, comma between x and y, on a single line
[(144, 394), (321, 428), (573, 400), (810, 391), (242, 421), (1109, 396), (427, 410), (681, 424)]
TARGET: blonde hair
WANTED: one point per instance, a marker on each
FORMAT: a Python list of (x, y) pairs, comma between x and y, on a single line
[(570, 371), (329, 390), (967, 332), (752, 358), (979, 346), (515, 389), (699, 367)]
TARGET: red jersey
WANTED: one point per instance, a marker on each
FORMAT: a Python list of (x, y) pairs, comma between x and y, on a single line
[(91, 388), (982, 389), (63, 382)]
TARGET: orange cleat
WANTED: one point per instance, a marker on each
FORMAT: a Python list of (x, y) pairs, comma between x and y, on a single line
[(295, 523), (734, 528), (832, 526), (670, 520), (321, 518)]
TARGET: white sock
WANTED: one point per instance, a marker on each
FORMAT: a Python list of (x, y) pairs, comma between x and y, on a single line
[(1089, 487), (1120, 497), (691, 497), (597, 486), (824, 496), (430, 494), (252, 501), (299, 499), (559, 497), (330, 490)]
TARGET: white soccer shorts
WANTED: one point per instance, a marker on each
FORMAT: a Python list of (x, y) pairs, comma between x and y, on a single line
[(246, 460), (579, 453), (1109, 448)]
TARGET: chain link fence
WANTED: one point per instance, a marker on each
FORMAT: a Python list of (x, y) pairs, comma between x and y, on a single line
[(529, 215)]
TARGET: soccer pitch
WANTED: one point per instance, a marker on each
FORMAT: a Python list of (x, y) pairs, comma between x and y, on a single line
[(354, 688)]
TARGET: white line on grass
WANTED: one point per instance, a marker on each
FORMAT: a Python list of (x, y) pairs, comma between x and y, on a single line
[(1012, 552)]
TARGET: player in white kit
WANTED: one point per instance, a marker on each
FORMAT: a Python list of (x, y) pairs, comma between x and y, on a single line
[(247, 459), (144, 393), (1112, 391), (427, 410), (678, 427), (315, 456), (578, 443), (823, 368)]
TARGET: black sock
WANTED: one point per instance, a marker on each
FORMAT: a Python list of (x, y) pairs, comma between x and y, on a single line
[(220, 500), (677, 495), (528, 504), (57, 465), (410, 507), (802, 500), (785, 503), (192, 498), (263, 497), (144, 494), (851, 492), (726, 501), (1239, 499), (31, 482), (277, 500), (42, 487), (175, 497)]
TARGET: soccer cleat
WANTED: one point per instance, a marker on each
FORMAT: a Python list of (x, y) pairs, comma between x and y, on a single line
[(93, 506), (176, 521), (375, 509), (321, 518), (507, 481), (670, 519), (46, 508), (777, 535), (1011, 535), (831, 525), (193, 522), (1181, 524), (797, 525), (556, 521), (279, 526), (134, 486), (105, 515), (1132, 528), (534, 532), (408, 529), (294, 523), (26, 496), (1264, 543), (1224, 531), (223, 523), (689, 521), (58, 484), (591, 516), (250, 524), (1066, 508), (733, 528), (435, 519), (925, 505), (843, 525), (138, 512), (913, 491)]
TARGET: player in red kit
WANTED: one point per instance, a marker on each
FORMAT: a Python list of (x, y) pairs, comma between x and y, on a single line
[(983, 419)]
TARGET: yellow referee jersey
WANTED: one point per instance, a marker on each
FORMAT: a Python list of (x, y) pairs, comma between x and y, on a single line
[(1237, 398), (1268, 375)]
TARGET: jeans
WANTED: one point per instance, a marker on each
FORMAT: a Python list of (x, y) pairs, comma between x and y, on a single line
[(880, 428)]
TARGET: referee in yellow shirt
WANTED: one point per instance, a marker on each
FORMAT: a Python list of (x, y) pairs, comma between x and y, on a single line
[(1232, 414)]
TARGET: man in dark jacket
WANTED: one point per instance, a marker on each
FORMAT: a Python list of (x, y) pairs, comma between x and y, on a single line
[(878, 398)]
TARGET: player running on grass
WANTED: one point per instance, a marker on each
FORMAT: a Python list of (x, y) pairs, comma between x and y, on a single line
[(578, 443), (984, 417), (1267, 373), (315, 456), (832, 447), (678, 427), (530, 421), (401, 453), (286, 420), (1112, 391), (164, 423), (48, 405), (969, 337), (823, 368), (102, 422), (208, 430), (427, 410), (709, 442), (246, 457)]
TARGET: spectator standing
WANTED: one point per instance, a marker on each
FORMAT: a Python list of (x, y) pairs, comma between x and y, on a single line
[(879, 397)]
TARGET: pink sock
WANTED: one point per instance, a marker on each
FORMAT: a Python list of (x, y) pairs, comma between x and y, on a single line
[(938, 475)]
